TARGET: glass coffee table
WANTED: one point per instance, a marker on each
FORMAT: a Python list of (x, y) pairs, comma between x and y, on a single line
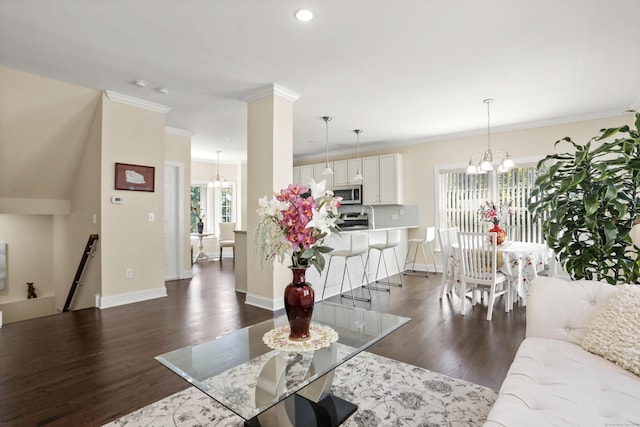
[(268, 380)]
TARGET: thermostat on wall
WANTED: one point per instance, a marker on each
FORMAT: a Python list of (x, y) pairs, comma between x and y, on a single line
[(117, 200)]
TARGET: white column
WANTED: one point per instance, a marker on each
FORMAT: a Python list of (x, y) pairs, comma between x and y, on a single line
[(269, 169)]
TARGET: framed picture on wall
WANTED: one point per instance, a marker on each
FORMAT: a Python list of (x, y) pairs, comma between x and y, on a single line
[(134, 177)]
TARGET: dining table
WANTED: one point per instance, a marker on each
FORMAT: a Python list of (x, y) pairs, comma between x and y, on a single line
[(521, 263)]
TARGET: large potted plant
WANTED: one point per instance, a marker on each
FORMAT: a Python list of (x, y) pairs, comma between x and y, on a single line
[(588, 201)]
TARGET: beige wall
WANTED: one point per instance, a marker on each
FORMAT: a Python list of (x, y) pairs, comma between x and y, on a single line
[(43, 127), (58, 147), (421, 160), (72, 231), (29, 243), (49, 131), (128, 239)]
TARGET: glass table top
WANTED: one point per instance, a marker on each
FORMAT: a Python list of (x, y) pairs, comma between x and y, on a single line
[(248, 377)]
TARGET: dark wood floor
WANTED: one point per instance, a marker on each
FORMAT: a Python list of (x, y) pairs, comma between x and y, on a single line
[(91, 366)]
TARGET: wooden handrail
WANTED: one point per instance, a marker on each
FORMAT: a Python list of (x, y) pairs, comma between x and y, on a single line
[(88, 250)]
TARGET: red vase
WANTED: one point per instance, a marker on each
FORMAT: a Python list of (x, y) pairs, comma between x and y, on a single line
[(298, 303), (501, 234)]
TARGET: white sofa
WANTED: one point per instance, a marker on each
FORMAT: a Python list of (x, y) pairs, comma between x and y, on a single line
[(553, 381)]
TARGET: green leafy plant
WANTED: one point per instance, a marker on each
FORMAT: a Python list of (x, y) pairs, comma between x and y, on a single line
[(587, 202)]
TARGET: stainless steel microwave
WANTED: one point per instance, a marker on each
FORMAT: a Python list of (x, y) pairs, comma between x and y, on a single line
[(351, 194)]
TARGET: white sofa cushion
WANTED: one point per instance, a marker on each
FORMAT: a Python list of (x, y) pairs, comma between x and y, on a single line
[(564, 310), (556, 383), (615, 332)]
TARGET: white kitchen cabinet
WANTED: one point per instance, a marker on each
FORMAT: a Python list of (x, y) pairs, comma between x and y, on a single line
[(383, 183), (306, 173), (345, 170), (296, 175), (391, 182), (318, 168), (370, 184), (340, 173), (354, 166)]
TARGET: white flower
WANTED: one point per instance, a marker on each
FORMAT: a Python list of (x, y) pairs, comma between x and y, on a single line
[(317, 188), (271, 207), (334, 204), (321, 220)]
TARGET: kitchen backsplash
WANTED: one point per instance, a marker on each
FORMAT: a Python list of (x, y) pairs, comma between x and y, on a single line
[(389, 215)]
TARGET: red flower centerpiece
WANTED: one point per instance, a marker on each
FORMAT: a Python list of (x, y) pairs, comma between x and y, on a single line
[(496, 215)]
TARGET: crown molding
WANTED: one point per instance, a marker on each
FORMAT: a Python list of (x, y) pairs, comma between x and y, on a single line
[(137, 102), (271, 89), (178, 132)]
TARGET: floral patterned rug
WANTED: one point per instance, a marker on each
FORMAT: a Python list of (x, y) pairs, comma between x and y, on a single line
[(387, 392)]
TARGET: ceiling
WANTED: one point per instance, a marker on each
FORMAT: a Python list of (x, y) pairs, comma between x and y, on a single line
[(403, 71)]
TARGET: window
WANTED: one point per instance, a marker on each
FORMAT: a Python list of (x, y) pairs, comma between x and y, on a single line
[(226, 204), (198, 200), (461, 196), (216, 204)]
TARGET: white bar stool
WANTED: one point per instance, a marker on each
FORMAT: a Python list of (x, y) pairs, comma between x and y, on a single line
[(358, 245), (392, 240), (425, 237)]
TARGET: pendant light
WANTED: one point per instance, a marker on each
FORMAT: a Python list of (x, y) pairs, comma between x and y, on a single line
[(358, 176), (483, 163), (327, 170), (216, 183)]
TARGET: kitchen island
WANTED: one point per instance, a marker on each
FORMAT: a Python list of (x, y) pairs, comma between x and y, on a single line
[(341, 241), (337, 241)]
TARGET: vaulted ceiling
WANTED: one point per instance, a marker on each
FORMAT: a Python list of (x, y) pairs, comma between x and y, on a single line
[(403, 71)]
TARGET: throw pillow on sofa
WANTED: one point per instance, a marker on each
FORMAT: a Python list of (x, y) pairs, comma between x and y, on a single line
[(615, 332)]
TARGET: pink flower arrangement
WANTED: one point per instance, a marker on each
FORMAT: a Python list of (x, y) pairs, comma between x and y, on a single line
[(296, 222), (490, 212)]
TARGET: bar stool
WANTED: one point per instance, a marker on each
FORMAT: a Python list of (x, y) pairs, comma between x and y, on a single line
[(392, 240), (358, 245), (426, 236)]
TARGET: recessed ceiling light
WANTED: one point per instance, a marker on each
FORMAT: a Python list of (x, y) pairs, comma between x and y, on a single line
[(163, 90), (304, 15), (140, 83)]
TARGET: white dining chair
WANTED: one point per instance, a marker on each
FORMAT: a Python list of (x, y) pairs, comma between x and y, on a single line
[(227, 237), (480, 262), (447, 236)]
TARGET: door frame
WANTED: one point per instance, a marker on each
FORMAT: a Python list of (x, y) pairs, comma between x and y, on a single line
[(180, 218)]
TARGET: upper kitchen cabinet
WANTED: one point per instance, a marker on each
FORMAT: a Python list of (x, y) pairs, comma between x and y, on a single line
[(344, 171), (318, 168), (382, 183), (306, 173), (296, 174)]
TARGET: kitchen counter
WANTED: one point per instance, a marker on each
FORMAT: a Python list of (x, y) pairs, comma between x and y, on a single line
[(382, 228)]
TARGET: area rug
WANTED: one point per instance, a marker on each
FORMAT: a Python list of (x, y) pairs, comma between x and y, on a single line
[(387, 392)]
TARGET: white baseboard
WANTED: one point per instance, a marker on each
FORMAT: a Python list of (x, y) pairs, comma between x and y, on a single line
[(266, 303), (131, 297)]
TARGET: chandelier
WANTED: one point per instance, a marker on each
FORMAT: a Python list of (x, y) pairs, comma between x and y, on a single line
[(217, 182), (483, 162)]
